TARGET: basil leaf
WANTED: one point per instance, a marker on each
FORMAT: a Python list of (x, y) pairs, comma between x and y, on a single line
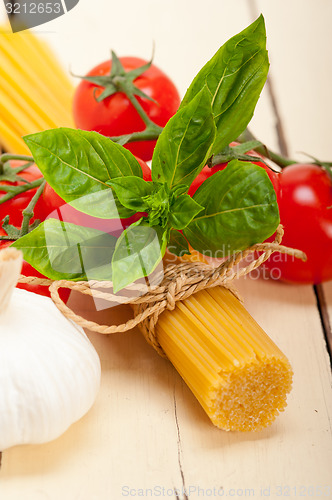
[(77, 164), (240, 209), (178, 244), (185, 143), (183, 210), (61, 250), (139, 250), (102, 204), (131, 190), (235, 77)]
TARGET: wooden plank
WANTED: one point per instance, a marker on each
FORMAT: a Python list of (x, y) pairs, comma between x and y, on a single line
[(146, 427), (296, 451), (146, 431)]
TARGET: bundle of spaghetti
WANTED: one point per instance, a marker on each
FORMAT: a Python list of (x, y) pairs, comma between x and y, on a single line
[(35, 92), (236, 372), (234, 369)]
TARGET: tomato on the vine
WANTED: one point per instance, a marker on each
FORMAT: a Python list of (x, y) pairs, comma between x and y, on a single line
[(306, 213), (115, 115), (14, 208), (16, 205), (56, 207)]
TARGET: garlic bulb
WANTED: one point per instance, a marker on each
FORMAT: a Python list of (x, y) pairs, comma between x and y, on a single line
[(49, 370)]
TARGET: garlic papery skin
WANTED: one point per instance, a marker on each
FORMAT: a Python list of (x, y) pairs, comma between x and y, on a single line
[(10, 268), (49, 371)]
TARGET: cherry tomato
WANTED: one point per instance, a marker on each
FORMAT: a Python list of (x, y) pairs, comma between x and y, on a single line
[(306, 213), (56, 207), (4, 243), (146, 170), (115, 115), (16, 205)]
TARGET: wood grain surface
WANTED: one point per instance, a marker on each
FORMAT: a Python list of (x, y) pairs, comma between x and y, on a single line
[(147, 436)]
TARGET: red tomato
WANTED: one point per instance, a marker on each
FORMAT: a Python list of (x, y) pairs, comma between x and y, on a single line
[(306, 198), (208, 172), (56, 207), (16, 205), (146, 170), (4, 243), (115, 115)]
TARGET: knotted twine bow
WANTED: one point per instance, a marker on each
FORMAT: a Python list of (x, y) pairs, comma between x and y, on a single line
[(180, 281)]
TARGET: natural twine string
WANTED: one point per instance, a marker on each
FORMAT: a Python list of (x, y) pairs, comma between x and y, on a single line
[(180, 281)]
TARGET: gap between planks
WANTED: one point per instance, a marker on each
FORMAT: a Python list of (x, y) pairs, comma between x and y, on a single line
[(185, 497), (284, 150), (324, 317)]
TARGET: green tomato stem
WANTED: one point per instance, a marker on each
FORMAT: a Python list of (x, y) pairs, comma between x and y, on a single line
[(139, 109), (20, 189), (28, 212), (152, 130), (151, 133), (7, 157), (275, 157)]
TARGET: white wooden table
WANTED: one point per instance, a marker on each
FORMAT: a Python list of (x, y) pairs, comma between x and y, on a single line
[(147, 436)]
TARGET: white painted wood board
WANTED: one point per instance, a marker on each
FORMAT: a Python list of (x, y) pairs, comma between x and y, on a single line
[(146, 430)]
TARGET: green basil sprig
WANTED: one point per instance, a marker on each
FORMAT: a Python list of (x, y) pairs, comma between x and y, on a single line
[(232, 209)]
